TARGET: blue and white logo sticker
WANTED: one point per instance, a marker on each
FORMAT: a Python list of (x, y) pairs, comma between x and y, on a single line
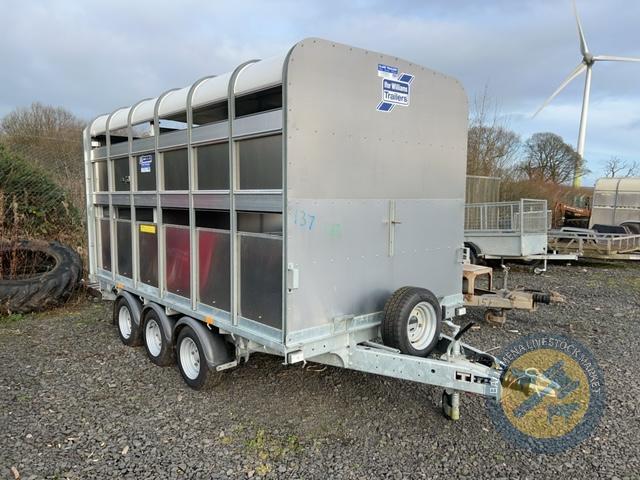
[(395, 91), (387, 71), (145, 162)]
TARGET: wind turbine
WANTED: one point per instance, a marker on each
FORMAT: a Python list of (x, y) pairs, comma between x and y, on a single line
[(587, 63)]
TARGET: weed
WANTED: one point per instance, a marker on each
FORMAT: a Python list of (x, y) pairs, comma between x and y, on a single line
[(12, 317)]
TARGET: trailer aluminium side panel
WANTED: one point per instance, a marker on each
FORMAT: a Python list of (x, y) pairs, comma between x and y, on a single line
[(310, 205), (616, 201)]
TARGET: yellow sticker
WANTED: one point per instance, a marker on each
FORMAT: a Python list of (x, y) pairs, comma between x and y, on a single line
[(148, 228), (209, 320)]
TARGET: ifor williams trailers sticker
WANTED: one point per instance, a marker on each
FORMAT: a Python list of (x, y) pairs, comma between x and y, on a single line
[(396, 88)]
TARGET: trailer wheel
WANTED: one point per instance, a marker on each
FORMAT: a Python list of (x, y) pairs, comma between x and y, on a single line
[(412, 321), (192, 361), (124, 317), (158, 347)]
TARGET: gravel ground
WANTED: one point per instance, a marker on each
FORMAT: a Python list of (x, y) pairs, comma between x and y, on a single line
[(76, 403)]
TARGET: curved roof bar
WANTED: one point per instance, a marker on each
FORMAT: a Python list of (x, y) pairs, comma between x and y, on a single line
[(258, 75), (193, 239), (232, 186), (132, 110)]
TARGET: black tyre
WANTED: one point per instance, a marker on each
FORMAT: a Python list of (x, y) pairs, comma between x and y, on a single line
[(412, 321), (126, 316), (37, 275), (192, 361), (634, 228), (159, 348), (474, 257), (620, 229)]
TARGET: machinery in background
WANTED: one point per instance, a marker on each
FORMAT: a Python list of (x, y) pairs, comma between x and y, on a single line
[(478, 290), (566, 215)]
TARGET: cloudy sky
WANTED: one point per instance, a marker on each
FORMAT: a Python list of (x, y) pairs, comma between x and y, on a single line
[(92, 57)]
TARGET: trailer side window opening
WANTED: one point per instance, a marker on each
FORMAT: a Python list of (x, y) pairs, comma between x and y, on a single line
[(142, 130), (260, 163), (216, 112), (176, 169), (259, 222), (121, 174), (175, 216), (218, 219), (173, 123), (144, 215), (118, 136), (123, 213), (213, 166), (257, 102), (628, 199), (98, 141), (100, 176)]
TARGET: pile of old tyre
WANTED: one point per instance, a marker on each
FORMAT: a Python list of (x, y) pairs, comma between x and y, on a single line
[(49, 274)]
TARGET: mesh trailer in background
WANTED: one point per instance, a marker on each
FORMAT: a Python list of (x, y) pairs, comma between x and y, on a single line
[(511, 231), (279, 208), (482, 189), (508, 229)]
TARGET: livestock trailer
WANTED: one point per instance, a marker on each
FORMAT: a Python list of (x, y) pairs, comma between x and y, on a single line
[(616, 201), (305, 206)]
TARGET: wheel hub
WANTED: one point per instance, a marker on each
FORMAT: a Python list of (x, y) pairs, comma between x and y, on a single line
[(190, 358), (124, 322), (421, 326), (153, 338)]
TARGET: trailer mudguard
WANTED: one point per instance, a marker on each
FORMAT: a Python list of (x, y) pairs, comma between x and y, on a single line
[(134, 303), (215, 347)]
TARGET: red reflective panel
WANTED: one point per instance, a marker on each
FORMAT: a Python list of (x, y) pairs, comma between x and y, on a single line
[(214, 268), (177, 261)]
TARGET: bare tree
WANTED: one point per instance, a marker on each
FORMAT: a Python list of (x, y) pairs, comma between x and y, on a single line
[(616, 167), (492, 147), (548, 159), (50, 137)]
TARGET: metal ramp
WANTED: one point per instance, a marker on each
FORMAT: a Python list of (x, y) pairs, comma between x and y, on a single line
[(590, 244)]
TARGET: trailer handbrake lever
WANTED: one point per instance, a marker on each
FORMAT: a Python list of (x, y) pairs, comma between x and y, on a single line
[(463, 330), (454, 349)]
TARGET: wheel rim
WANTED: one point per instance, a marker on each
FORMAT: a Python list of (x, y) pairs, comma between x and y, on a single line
[(189, 358), (422, 325), (124, 321), (153, 337)]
